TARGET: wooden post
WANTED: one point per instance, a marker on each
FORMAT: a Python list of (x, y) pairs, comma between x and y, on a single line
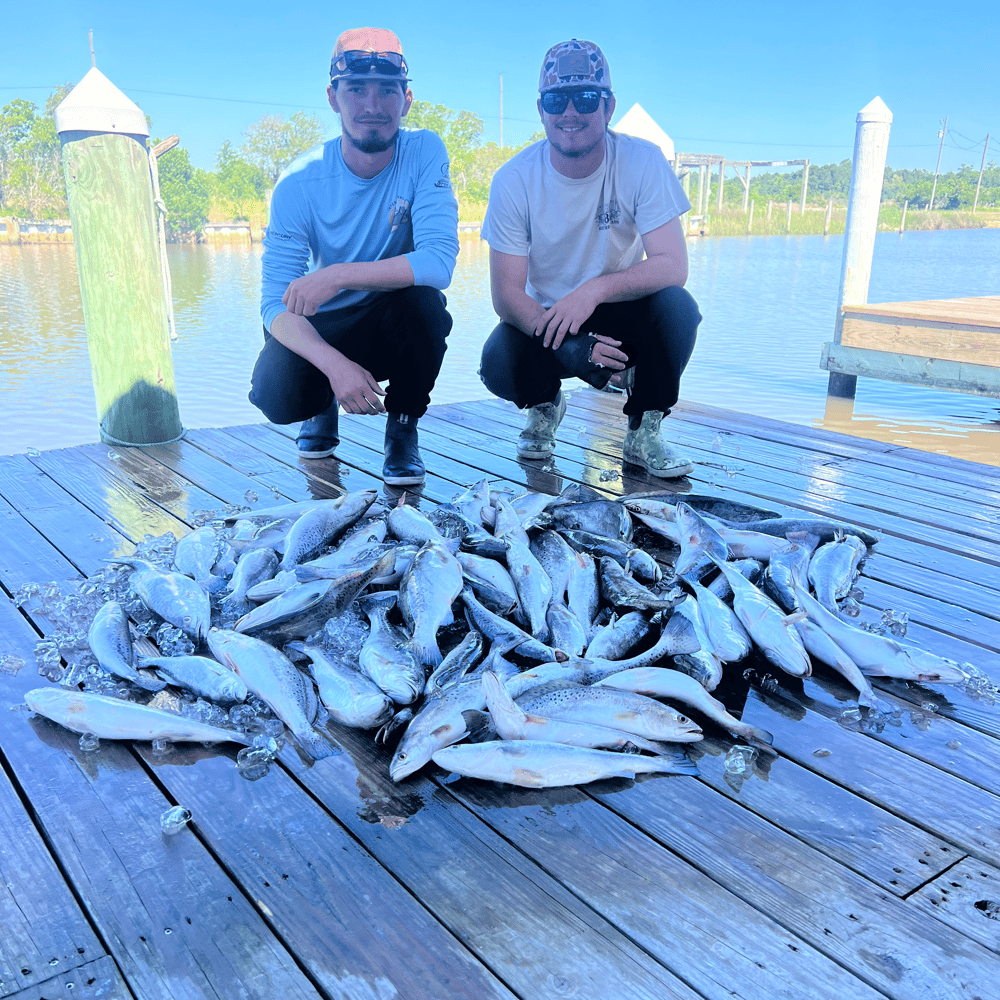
[(805, 186), (871, 141), (722, 184), (788, 218), (902, 221), (110, 192), (982, 167), (770, 205), (750, 219), (746, 189), (703, 189), (827, 217)]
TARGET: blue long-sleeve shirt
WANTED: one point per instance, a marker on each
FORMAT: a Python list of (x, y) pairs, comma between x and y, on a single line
[(323, 214)]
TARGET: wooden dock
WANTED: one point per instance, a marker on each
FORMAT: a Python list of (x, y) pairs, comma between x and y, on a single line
[(942, 343), (851, 864)]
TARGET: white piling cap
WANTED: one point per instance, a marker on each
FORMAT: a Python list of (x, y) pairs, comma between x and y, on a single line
[(875, 111), (95, 104)]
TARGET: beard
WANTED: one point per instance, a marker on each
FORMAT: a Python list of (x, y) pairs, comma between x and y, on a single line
[(577, 152), (372, 142)]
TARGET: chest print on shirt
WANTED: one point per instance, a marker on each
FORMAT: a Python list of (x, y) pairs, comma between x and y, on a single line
[(399, 213), (608, 215)]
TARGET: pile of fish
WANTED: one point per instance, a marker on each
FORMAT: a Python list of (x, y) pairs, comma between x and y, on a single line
[(573, 653)]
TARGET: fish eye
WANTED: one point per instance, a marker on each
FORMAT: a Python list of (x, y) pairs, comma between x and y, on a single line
[(401, 756)]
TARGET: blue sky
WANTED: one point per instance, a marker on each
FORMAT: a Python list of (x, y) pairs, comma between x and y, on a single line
[(768, 81)]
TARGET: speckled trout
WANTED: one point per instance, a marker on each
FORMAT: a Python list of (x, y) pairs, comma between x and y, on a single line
[(270, 675), (115, 719), (537, 764)]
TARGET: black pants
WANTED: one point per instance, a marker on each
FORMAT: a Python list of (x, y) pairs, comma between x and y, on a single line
[(657, 333), (400, 336)]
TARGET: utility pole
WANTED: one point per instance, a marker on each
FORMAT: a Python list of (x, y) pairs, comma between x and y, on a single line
[(501, 110), (982, 166), (941, 135)]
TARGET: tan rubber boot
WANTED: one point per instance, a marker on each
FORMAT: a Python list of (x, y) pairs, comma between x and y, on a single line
[(645, 446), (538, 439)]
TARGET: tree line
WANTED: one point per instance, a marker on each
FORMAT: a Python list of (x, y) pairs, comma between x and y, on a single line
[(955, 190), (32, 184)]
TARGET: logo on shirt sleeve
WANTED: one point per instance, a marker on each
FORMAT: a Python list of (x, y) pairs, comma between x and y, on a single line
[(399, 214), (444, 181)]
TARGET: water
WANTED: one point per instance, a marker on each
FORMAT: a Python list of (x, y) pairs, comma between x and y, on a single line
[(769, 304)]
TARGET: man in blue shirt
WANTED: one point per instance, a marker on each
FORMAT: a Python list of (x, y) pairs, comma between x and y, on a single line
[(362, 238)]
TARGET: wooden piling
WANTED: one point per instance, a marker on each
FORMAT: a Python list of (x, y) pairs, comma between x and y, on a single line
[(108, 183), (902, 221), (871, 142), (750, 219), (722, 185), (788, 217), (827, 217)]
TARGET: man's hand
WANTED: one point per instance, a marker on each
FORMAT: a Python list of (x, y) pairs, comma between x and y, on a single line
[(355, 388), (567, 315), (605, 352), (305, 295)]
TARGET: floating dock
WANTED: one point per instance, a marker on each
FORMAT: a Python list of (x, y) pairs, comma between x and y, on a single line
[(942, 343), (851, 863)]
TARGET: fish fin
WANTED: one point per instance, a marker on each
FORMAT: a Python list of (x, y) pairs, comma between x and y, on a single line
[(795, 617), (478, 724), (317, 745), (213, 583), (149, 682)]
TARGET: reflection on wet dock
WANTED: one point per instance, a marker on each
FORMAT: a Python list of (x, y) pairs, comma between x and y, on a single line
[(855, 860)]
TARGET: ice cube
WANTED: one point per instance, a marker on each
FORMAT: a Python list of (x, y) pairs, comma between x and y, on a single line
[(175, 819)]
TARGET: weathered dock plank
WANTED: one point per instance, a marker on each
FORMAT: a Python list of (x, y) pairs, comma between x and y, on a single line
[(610, 864), (831, 818), (348, 920), (44, 930), (966, 897), (957, 810), (97, 980), (509, 910), (881, 939)]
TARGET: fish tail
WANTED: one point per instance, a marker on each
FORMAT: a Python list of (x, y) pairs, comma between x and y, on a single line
[(756, 733), (676, 761), (426, 653), (238, 606), (317, 745)]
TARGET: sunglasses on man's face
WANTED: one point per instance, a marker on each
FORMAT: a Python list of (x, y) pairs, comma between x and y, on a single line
[(586, 102), (361, 61)]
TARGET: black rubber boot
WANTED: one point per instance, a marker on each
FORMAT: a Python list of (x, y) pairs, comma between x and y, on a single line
[(403, 466), (318, 437)]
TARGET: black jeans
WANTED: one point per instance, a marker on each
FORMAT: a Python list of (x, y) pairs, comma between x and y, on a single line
[(400, 336), (657, 333)]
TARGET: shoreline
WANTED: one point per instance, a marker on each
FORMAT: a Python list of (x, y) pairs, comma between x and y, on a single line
[(731, 222)]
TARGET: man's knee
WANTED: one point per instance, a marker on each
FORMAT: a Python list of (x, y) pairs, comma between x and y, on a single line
[(425, 310), (499, 363), (677, 307)]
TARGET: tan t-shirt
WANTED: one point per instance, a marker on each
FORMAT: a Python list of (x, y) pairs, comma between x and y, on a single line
[(573, 230)]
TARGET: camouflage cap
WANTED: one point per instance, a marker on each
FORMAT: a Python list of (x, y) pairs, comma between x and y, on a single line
[(574, 62)]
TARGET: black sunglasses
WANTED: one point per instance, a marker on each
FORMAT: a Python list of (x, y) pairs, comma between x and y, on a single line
[(361, 61), (586, 102)]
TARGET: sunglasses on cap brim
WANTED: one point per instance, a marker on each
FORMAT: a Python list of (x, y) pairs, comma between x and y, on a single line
[(586, 102), (361, 62)]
